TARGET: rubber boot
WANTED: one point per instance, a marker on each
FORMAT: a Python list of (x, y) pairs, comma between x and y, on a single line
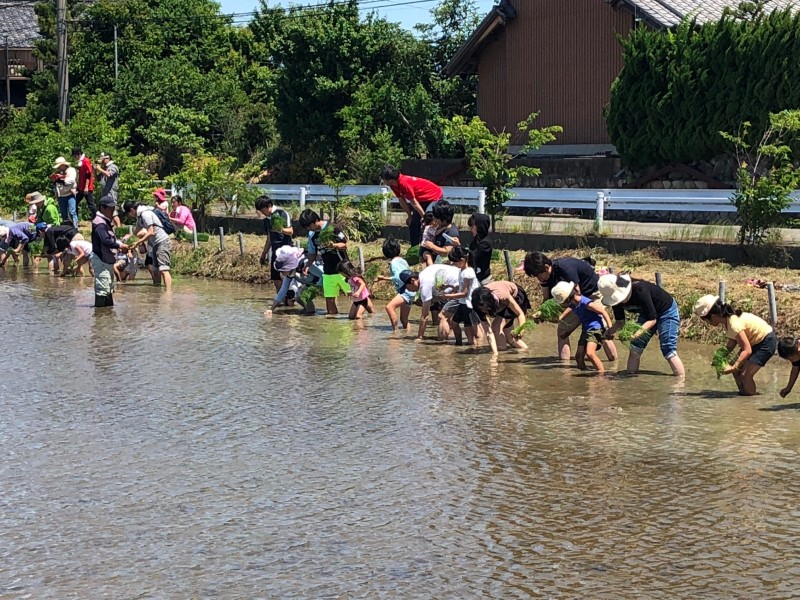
[(110, 300), (99, 301)]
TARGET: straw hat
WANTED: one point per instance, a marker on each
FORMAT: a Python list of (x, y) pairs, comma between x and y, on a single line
[(61, 161), (705, 304), (615, 289), (562, 291), (34, 198)]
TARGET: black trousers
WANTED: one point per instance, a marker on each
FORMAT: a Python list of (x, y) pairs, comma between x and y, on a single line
[(415, 228), (89, 202)]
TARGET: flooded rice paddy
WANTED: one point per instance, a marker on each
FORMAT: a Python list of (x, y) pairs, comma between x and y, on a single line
[(182, 446)]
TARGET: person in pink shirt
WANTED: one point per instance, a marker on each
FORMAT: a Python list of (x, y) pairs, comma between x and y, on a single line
[(181, 215), (360, 292)]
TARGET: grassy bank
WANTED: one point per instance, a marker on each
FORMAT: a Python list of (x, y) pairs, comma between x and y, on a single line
[(686, 281)]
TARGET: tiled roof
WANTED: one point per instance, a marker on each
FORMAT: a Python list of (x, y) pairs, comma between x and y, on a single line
[(668, 13), (19, 23)]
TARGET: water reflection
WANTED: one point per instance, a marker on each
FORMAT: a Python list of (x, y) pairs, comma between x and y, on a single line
[(184, 446)]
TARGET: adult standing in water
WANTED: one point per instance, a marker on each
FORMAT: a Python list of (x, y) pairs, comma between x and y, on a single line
[(415, 195), (579, 271), (657, 311), (104, 252)]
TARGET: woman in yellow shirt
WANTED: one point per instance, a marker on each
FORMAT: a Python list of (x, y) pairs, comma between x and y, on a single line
[(751, 333)]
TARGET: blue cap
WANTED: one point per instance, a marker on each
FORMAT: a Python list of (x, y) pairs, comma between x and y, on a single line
[(41, 226), (405, 277)]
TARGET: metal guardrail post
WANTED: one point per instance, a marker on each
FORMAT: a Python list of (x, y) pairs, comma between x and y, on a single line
[(384, 202), (482, 201), (194, 238), (600, 212), (303, 192)]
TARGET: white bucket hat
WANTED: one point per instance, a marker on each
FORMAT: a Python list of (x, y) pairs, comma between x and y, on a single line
[(61, 161), (705, 304), (3, 231), (615, 289), (562, 291)]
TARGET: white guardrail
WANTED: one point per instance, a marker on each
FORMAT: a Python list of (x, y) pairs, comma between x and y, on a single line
[(541, 198)]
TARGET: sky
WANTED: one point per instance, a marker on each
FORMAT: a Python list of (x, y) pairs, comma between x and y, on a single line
[(406, 12)]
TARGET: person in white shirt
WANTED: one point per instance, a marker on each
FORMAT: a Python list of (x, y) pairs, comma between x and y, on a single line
[(65, 179), (462, 314), (77, 249), (431, 282)]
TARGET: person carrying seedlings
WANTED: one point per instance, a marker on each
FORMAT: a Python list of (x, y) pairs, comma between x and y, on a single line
[(403, 301), (754, 336), (104, 252), (572, 270), (415, 195), (657, 311), (360, 293), (594, 318), (446, 233), (462, 295), (279, 231), (327, 241), (505, 302), (431, 283), (288, 260), (481, 247), (789, 349)]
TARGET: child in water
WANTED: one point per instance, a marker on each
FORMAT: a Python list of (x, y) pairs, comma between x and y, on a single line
[(403, 300), (360, 294), (594, 318), (751, 333), (789, 349)]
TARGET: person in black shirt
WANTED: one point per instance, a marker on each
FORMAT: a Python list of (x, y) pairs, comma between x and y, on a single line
[(481, 246), (579, 271), (51, 237), (329, 242), (657, 311), (446, 232), (278, 227)]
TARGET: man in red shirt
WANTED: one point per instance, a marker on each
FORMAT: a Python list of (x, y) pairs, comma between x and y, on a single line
[(85, 181), (415, 194)]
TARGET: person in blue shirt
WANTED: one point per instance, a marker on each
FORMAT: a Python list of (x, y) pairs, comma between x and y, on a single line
[(594, 321), (403, 300)]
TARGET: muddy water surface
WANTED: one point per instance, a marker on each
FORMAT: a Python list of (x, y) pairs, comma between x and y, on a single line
[(180, 446)]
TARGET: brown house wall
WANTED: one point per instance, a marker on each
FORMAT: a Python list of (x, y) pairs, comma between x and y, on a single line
[(558, 58)]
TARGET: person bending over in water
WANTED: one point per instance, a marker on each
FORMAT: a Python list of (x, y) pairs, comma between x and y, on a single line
[(506, 302), (751, 333), (403, 300)]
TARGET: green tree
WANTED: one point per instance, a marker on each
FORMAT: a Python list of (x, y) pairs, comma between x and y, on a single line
[(766, 175), (488, 157)]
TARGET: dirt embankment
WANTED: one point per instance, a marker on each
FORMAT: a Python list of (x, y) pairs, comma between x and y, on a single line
[(686, 281)]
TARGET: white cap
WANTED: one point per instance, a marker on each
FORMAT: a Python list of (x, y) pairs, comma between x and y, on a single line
[(562, 291), (704, 305)]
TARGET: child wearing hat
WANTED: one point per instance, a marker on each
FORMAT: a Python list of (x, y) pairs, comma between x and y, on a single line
[(657, 311), (44, 209), (594, 321), (287, 262), (754, 336)]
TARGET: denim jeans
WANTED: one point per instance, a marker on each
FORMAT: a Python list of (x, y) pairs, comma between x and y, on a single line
[(667, 324), (67, 207)]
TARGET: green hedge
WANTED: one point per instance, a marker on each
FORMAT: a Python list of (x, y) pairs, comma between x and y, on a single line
[(679, 88)]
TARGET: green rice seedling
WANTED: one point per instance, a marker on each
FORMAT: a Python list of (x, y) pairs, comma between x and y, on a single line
[(327, 237), (372, 272), (550, 311), (412, 255), (308, 294), (277, 222), (519, 330), (721, 361), (630, 329)]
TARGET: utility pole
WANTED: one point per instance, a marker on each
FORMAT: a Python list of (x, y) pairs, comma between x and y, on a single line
[(62, 60), (8, 79), (116, 55)]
